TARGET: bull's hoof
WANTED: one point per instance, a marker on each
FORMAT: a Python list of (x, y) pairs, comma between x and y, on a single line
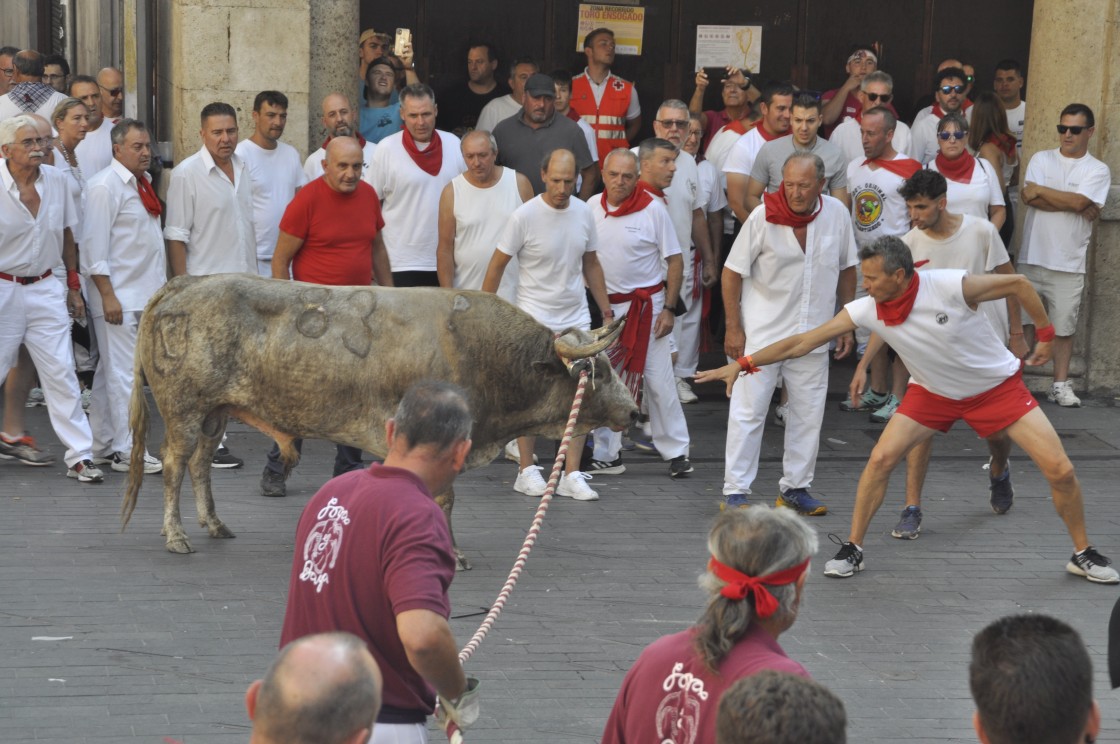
[(179, 545), (220, 531), (461, 562)]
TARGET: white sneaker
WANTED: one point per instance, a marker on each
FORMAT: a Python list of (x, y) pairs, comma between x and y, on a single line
[(684, 392), (780, 412), (1062, 394), (530, 482), (575, 485), (120, 461), (513, 454)]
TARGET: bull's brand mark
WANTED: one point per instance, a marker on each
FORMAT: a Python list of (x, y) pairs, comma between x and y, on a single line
[(323, 543), (677, 719)]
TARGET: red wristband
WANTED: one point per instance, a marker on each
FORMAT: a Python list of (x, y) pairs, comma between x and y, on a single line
[(1046, 333), (747, 365), (72, 280)]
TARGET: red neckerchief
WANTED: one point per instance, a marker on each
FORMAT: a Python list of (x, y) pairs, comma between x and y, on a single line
[(903, 168), (940, 112), (893, 312), (360, 138), (431, 160), (738, 584), (1005, 143), (148, 196), (628, 356), (736, 126), (778, 211), (959, 170), (697, 271), (572, 114), (638, 200), (766, 135)]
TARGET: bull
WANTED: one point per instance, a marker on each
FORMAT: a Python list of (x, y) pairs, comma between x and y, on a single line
[(298, 360)]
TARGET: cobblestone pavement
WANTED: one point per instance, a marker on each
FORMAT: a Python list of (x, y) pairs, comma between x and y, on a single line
[(104, 636)]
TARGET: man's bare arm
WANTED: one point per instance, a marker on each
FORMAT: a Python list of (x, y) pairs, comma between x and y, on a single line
[(755, 190), (431, 650), (287, 246), (382, 269), (177, 257), (494, 271), (737, 195), (445, 248)]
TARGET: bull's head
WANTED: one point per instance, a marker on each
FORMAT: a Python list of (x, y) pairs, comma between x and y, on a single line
[(576, 355)]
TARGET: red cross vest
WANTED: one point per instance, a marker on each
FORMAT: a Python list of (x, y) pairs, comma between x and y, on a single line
[(608, 119)]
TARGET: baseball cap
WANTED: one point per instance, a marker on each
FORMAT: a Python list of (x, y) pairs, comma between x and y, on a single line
[(540, 84)]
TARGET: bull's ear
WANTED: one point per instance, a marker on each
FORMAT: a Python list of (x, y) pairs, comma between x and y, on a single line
[(548, 366)]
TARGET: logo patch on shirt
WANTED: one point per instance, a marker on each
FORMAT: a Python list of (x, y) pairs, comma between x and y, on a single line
[(677, 718), (618, 84), (942, 318), (869, 208), (321, 548)]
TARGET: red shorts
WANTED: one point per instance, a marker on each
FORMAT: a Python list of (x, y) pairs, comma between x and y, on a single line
[(986, 413)]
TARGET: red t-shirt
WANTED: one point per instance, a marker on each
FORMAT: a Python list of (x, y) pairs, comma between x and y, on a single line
[(370, 545), (670, 696), (337, 230)]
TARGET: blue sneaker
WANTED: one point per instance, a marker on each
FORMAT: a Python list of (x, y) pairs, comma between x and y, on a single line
[(642, 443), (734, 501), (909, 525), (799, 500)]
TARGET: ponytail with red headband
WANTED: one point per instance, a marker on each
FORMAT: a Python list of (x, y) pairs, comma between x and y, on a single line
[(738, 584)]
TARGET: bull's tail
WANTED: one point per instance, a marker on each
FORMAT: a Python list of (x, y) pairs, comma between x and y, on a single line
[(138, 423)]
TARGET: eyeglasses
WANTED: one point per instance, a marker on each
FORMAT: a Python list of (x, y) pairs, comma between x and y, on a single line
[(36, 142), (697, 133), (113, 92), (955, 135), (9, 71), (1063, 128), (884, 97), (673, 123), (947, 89)]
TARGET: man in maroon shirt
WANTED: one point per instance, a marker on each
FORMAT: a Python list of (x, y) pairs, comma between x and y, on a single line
[(330, 234), (373, 557)]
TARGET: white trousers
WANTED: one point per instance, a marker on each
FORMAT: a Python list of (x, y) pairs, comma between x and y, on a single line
[(112, 385), (806, 380), (399, 733), (686, 328), (35, 315), (666, 417)]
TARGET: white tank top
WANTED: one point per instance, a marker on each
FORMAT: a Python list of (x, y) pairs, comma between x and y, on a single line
[(480, 217)]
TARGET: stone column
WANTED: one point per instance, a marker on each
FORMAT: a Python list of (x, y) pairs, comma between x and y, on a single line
[(230, 50), (1075, 58)]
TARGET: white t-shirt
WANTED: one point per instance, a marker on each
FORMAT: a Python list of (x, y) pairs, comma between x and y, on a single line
[(410, 200), (877, 207), (787, 290), (1016, 122), (974, 197), (682, 197), (975, 247), (849, 139), (496, 111), (549, 245), (313, 166), (95, 151), (949, 348), (740, 159), (276, 176), (716, 154), (1060, 240), (480, 218), (633, 247), (711, 193)]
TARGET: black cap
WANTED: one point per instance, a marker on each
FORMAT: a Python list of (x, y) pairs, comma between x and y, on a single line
[(539, 85)]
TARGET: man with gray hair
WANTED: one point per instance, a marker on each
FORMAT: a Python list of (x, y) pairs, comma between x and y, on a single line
[(374, 558), (123, 257), (876, 89), (780, 708), (321, 689), (37, 219), (793, 261), (29, 94), (960, 370), (754, 582)]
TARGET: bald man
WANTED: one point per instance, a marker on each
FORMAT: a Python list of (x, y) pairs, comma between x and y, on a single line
[(330, 234), (111, 82), (322, 689), (340, 119)]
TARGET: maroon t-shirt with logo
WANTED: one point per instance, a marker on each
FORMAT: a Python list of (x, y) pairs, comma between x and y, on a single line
[(370, 545)]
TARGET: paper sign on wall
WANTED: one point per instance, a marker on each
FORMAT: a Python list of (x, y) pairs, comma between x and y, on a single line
[(720, 46), (627, 24)]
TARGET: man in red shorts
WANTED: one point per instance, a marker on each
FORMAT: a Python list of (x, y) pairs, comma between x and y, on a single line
[(959, 370)]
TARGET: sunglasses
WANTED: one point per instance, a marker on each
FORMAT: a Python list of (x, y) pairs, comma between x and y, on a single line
[(1063, 128), (884, 97), (947, 89), (673, 123), (113, 92), (954, 135)]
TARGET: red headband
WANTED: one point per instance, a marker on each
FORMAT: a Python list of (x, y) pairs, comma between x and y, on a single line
[(738, 584)]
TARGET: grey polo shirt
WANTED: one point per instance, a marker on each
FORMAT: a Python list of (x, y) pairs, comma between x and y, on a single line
[(767, 168), (521, 147)]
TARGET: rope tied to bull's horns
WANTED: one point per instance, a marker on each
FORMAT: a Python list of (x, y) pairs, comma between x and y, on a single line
[(454, 735)]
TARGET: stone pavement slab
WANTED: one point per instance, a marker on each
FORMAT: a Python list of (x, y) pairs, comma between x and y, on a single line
[(104, 636)]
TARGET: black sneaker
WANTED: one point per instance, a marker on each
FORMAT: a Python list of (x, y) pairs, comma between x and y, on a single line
[(602, 467), (1001, 491), (1093, 566), (272, 484), (224, 460), (679, 467), (847, 561)]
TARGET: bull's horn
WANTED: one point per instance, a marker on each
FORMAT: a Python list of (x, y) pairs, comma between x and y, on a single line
[(605, 339)]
